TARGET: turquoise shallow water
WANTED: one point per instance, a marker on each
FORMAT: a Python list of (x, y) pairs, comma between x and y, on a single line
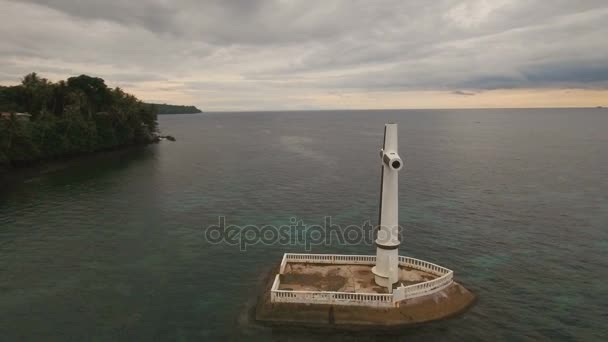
[(112, 247)]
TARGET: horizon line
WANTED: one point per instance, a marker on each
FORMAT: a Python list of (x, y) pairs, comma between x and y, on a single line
[(384, 109)]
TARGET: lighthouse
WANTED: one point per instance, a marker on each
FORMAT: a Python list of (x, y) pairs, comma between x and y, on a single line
[(386, 270), (299, 292)]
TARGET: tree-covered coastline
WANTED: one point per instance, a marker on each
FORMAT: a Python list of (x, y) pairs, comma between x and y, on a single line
[(42, 120), (173, 109)]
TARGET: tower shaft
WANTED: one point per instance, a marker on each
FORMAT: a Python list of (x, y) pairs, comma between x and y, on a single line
[(386, 271)]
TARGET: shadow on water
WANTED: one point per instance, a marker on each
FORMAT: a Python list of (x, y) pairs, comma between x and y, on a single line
[(80, 169)]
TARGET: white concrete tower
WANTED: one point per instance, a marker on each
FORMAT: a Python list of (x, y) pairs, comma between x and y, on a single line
[(386, 270)]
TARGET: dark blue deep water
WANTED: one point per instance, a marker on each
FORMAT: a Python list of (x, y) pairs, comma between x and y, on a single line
[(112, 247)]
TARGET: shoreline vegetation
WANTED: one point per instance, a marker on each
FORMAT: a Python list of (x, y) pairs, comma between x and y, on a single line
[(43, 121), (164, 108)]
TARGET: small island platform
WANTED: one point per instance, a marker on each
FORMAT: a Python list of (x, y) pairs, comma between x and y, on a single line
[(338, 291)]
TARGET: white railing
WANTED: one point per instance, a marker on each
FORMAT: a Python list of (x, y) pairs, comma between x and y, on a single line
[(335, 298), (445, 278), (275, 284), (423, 265), (335, 259), (283, 264)]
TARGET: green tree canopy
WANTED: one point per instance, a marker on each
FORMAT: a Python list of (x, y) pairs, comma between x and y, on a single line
[(78, 116)]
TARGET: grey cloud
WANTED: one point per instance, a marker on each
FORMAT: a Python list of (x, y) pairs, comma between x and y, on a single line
[(273, 48), (218, 21), (153, 15), (569, 73), (463, 93), (138, 77)]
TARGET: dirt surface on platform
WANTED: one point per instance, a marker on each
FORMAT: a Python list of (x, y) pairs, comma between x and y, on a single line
[(342, 278)]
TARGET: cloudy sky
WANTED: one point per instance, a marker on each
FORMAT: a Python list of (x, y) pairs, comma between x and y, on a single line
[(309, 54)]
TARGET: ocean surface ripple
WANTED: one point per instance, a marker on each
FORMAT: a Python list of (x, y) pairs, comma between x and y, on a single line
[(112, 247)]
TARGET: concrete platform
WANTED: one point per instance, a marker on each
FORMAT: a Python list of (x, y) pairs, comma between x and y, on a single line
[(343, 278), (448, 302)]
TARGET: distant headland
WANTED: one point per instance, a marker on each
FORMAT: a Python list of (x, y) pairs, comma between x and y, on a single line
[(41, 120), (173, 109)]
